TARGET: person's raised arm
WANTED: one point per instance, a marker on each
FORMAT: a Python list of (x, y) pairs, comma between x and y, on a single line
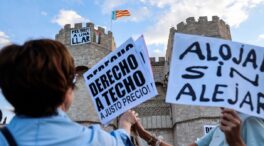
[(148, 137), (192, 144)]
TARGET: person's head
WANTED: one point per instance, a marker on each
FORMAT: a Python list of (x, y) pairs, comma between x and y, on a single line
[(36, 76)]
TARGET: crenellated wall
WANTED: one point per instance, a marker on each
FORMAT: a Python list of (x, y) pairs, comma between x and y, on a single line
[(90, 53), (107, 40), (214, 28), (158, 68)]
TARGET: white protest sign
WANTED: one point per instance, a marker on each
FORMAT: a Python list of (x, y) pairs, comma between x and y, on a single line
[(215, 72), (143, 53), (208, 128), (80, 36), (119, 82)]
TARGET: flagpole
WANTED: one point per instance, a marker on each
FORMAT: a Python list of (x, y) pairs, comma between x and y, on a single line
[(111, 24), (111, 19)]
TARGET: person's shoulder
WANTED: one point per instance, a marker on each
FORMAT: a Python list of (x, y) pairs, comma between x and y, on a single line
[(253, 126), (208, 139), (253, 131), (96, 129), (254, 121)]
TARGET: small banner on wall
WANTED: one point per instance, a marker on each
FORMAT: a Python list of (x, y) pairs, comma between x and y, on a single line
[(81, 36), (121, 80), (215, 72), (208, 128)]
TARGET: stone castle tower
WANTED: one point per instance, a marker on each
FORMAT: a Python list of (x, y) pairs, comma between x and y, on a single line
[(176, 124), (85, 56), (190, 120)]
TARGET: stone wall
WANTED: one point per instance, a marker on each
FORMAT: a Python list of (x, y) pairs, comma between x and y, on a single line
[(165, 134), (82, 107), (189, 120), (155, 110), (155, 114), (189, 131), (158, 68)]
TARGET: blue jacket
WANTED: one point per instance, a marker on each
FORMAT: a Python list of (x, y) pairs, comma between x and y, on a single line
[(60, 130)]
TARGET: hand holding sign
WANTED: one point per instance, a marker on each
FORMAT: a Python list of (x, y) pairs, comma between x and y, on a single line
[(120, 81), (214, 72), (127, 119), (230, 124)]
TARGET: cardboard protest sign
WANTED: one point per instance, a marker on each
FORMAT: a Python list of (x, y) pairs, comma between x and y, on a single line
[(143, 53), (80, 36), (119, 82), (208, 128), (215, 72)]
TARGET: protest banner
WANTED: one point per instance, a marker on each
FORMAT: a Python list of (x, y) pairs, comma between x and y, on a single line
[(208, 128), (80, 36), (215, 72), (119, 82)]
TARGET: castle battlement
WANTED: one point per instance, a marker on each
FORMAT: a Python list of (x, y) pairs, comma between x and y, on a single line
[(99, 29), (160, 61), (214, 28), (98, 35), (202, 20)]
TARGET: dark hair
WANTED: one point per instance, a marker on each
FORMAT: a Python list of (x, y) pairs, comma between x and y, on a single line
[(34, 77)]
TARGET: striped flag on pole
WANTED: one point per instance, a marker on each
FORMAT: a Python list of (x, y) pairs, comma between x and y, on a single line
[(119, 13)]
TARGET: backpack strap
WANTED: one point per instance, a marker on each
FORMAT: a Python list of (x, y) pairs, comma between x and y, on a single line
[(10, 139)]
